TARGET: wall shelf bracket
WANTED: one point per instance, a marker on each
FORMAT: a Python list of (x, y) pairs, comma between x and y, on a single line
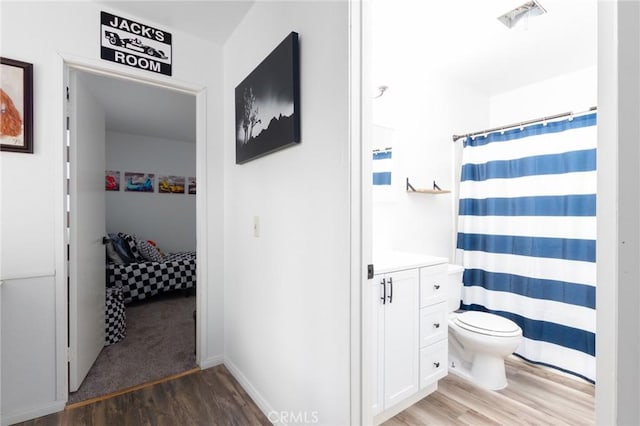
[(410, 187), (436, 189)]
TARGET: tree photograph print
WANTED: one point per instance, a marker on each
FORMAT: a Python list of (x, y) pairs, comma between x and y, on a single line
[(267, 104)]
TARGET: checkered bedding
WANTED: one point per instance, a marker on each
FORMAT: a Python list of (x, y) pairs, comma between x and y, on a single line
[(143, 280)]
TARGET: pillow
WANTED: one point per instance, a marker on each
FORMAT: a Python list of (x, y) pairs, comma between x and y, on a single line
[(122, 248), (112, 255), (153, 243), (131, 242), (148, 251)]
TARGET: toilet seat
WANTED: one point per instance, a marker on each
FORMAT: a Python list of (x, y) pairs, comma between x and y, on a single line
[(486, 323)]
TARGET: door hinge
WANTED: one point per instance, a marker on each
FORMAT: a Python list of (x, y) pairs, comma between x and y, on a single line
[(68, 354), (67, 92), (370, 272)]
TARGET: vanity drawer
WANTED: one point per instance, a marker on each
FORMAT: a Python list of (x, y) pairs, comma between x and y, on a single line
[(433, 324), (433, 363), (433, 284)]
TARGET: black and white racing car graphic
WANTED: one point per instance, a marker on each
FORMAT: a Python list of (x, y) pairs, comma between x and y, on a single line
[(133, 44)]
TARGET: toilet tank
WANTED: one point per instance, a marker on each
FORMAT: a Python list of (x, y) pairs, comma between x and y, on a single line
[(454, 286)]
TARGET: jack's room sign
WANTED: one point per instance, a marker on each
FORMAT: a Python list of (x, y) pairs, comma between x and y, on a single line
[(134, 44)]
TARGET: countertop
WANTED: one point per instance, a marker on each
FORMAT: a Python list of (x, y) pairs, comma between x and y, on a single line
[(390, 261)]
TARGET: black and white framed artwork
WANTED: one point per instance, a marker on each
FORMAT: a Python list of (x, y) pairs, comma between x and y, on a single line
[(268, 104)]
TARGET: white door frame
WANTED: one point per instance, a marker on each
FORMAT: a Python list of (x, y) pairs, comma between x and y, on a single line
[(360, 210), (66, 62)]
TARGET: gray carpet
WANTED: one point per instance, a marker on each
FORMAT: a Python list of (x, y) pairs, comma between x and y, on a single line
[(159, 343)]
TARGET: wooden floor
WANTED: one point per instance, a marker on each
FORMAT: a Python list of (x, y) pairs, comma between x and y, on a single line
[(208, 397), (535, 396)]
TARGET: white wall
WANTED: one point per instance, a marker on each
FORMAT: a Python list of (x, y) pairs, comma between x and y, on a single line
[(168, 219), (28, 322), (576, 91), (287, 292), (32, 264), (430, 108), (425, 108)]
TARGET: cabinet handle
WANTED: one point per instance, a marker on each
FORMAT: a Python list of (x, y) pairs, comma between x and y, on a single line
[(384, 291), (436, 364), (436, 286), (436, 325), (390, 289)]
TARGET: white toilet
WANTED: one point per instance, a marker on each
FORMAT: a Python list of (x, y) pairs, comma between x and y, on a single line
[(478, 341)]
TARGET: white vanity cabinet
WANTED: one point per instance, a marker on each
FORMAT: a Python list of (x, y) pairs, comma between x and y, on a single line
[(409, 330), (433, 324)]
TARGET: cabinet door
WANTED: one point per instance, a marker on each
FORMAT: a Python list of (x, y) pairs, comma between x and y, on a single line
[(377, 345), (401, 318)]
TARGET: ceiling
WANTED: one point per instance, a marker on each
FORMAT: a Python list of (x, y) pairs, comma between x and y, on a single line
[(462, 38), (212, 20), (142, 109)]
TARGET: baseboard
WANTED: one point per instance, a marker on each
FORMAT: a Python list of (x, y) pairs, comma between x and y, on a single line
[(32, 412), (212, 362), (260, 401)]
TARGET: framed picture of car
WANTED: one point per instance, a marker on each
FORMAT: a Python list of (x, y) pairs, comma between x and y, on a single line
[(268, 104), (191, 189), (139, 182), (171, 184), (112, 180), (16, 106)]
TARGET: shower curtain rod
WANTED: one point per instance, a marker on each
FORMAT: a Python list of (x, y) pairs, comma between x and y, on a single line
[(524, 123)]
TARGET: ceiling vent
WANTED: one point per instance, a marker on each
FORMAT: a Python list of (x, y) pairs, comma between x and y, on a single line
[(529, 9)]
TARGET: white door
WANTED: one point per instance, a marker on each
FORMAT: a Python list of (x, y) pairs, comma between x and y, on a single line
[(401, 319), (87, 228)]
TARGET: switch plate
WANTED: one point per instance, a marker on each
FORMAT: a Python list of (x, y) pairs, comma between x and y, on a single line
[(256, 226)]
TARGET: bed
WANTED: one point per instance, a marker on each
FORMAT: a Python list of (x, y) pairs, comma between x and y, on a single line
[(142, 280), (144, 274)]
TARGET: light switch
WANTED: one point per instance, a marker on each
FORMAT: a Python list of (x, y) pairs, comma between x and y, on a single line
[(256, 226)]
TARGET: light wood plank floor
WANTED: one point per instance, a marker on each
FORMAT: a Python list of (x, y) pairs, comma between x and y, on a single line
[(535, 396), (207, 397)]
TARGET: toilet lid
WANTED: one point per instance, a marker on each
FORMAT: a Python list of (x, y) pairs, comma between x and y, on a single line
[(486, 323)]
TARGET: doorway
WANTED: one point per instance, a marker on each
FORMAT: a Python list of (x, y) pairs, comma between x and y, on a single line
[(447, 87), (107, 112)]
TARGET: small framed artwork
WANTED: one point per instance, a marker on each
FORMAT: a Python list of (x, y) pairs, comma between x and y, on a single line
[(112, 180), (139, 182), (192, 186), (171, 184), (16, 106), (268, 104)]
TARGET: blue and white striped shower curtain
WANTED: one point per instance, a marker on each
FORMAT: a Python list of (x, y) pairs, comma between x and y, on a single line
[(527, 237)]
